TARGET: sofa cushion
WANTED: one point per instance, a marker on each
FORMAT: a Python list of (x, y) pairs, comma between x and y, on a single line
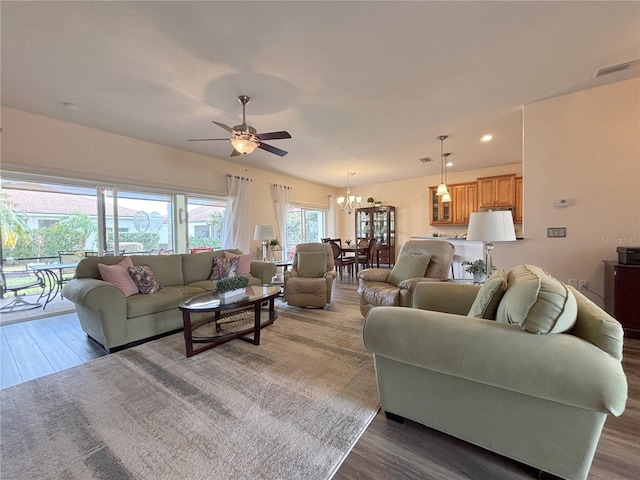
[(312, 264), (166, 299), (119, 276), (145, 280), (244, 262), (537, 302), (409, 266), (486, 303), (166, 268)]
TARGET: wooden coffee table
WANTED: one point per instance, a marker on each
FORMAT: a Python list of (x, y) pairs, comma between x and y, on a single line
[(201, 328)]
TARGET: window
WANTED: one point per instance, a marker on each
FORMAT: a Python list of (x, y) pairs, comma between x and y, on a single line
[(41, 216), (303, 226), (205, 220)]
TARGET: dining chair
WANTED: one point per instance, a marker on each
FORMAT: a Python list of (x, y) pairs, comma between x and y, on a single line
[(366, 259), (340, 260)]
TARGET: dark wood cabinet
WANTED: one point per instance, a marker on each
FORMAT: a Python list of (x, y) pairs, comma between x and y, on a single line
[(379, 222), (622, 295)]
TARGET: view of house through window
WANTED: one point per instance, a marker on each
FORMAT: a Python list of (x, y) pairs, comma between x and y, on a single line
[(205, 220), (303, 226)]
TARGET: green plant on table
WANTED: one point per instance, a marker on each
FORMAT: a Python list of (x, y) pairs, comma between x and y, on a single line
[(477, 267), (232, 283), (273, 244)]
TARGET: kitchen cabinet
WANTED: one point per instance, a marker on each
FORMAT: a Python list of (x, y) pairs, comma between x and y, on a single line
[(518, 211), (440, 211), (464, 198), (379, 222), (621, 299), (498, 191)]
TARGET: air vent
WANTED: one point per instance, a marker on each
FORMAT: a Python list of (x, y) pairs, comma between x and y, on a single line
[(617, 68), (426, 160)]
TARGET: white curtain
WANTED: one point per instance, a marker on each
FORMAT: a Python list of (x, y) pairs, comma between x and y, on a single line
[(332, 220), (236, 232), (282, 199)]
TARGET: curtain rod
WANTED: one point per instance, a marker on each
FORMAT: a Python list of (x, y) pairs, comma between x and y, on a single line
[(239, 178)]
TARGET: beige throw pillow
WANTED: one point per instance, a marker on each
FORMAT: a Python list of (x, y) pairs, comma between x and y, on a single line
[(537, 302), (486, 303), (312, 264), (409, 266)]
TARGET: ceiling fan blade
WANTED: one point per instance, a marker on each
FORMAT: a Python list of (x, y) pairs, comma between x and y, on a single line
[(235, 153), (226, 127), (274, 135), (272, 149), (206, 139)]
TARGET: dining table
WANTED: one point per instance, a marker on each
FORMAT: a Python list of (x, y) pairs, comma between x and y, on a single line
[(51, 276), (354, 251)]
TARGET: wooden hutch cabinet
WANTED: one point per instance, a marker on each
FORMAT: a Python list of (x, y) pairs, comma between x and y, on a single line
[(379, 222)]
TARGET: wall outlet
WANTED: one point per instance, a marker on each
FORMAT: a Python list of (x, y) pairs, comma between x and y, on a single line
[(583, 285), (573, 282)]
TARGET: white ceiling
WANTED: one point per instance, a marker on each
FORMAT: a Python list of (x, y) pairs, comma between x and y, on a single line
[(361, 86)]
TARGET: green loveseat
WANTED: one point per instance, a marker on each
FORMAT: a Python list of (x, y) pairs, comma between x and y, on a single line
[(541, 399), (115, 321)]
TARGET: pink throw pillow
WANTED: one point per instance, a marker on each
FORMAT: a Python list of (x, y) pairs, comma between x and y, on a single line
[(244, 262), (119, 276)]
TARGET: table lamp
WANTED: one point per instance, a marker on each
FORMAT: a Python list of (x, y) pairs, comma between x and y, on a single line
[(264, 233), (491, 226)]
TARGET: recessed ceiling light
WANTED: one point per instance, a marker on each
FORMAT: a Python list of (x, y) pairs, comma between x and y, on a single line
[(486, 138), (450, 164), (72, 107)]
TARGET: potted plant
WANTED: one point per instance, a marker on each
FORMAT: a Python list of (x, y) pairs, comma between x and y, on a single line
[(370, 200), (228, 287), (478, 269), (274, 244)]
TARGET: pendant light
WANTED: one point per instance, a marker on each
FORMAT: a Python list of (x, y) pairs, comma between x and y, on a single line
[(442, 188), (446, 197)]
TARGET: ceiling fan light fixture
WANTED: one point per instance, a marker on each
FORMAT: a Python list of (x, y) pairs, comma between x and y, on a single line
[(243, 146)]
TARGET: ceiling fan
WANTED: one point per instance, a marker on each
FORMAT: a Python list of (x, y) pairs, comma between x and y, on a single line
[(245, 138)]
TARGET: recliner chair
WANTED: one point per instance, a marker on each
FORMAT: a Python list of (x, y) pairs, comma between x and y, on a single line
[(376, 286), (309, 281)]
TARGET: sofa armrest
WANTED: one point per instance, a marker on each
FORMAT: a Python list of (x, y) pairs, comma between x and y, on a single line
[(448, 297), (263, 270), (101, 309), (557, 367), (374, 274)]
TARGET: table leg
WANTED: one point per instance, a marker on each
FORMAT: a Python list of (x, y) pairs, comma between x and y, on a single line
[(186, 321), (257, 310)]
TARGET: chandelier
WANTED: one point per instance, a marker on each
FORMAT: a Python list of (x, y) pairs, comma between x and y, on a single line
[(442, 191), (349, 202)]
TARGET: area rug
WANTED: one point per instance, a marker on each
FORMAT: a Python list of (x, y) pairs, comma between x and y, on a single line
[(290, 408)]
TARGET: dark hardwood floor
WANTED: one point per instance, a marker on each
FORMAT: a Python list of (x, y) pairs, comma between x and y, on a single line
[(387, 450)]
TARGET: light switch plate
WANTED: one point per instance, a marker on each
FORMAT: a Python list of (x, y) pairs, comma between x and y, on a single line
[(556, 232)]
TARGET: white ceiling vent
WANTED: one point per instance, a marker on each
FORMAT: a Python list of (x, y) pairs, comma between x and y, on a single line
[(426, 160), (617, 68)]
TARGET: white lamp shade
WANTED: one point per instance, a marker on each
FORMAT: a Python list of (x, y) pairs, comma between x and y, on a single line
[(493, 226), (264, 232)]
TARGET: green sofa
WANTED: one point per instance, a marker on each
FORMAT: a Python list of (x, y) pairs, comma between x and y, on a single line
[(541, 399), (115, 321)]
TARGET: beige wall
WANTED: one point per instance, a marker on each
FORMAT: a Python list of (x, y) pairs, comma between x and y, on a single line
[(41, 145), (586, 147)]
